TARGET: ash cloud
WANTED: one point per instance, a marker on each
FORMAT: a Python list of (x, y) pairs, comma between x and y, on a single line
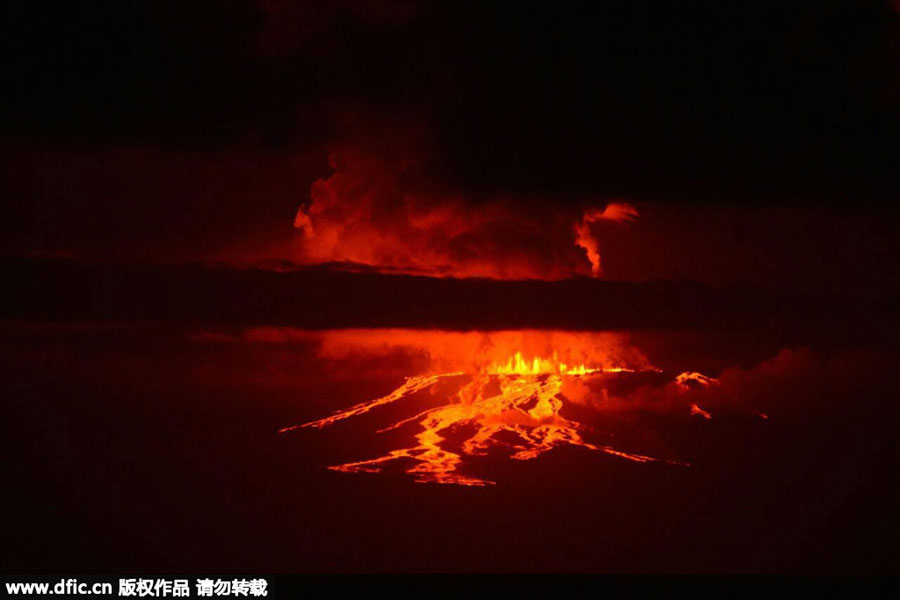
[(380, 207), (136, 119)]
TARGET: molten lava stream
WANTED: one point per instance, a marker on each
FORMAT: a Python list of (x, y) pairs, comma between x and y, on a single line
[(513, 404)]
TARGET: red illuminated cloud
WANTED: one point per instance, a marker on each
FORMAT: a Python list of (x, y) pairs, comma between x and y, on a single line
[(367, 212)]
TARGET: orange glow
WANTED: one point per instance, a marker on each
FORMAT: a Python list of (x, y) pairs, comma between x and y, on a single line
[(524, 352), (584, 236), (696, 410), (692, 380), (412, 385), (526, 406), (362, 215), (518, 365), (505, 399)]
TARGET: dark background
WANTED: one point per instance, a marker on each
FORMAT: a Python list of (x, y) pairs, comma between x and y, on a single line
[(149, 122), (674, 100)]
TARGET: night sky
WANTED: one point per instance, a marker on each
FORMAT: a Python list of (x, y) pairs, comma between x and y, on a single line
[(145, 123)]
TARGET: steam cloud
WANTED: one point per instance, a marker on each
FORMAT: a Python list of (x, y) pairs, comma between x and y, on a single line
[(370, 211)]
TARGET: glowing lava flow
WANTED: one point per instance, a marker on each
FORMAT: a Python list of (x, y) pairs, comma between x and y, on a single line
[(412, 385), (513, 404), (690, 379)]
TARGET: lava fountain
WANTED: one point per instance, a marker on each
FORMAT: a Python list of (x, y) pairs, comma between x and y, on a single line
[(508, 390), (502, 400)]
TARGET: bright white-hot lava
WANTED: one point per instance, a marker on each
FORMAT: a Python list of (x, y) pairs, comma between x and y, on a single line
[(509, 405)]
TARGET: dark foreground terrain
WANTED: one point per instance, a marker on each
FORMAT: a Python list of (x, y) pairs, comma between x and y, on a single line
[(154, 447)]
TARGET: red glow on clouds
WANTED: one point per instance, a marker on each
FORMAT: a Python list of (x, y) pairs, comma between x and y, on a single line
[(364, 213), (587, 239)]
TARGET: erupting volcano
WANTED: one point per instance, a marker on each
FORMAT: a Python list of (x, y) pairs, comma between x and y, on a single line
[(504, 393), (512, 407), (509, 398)]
